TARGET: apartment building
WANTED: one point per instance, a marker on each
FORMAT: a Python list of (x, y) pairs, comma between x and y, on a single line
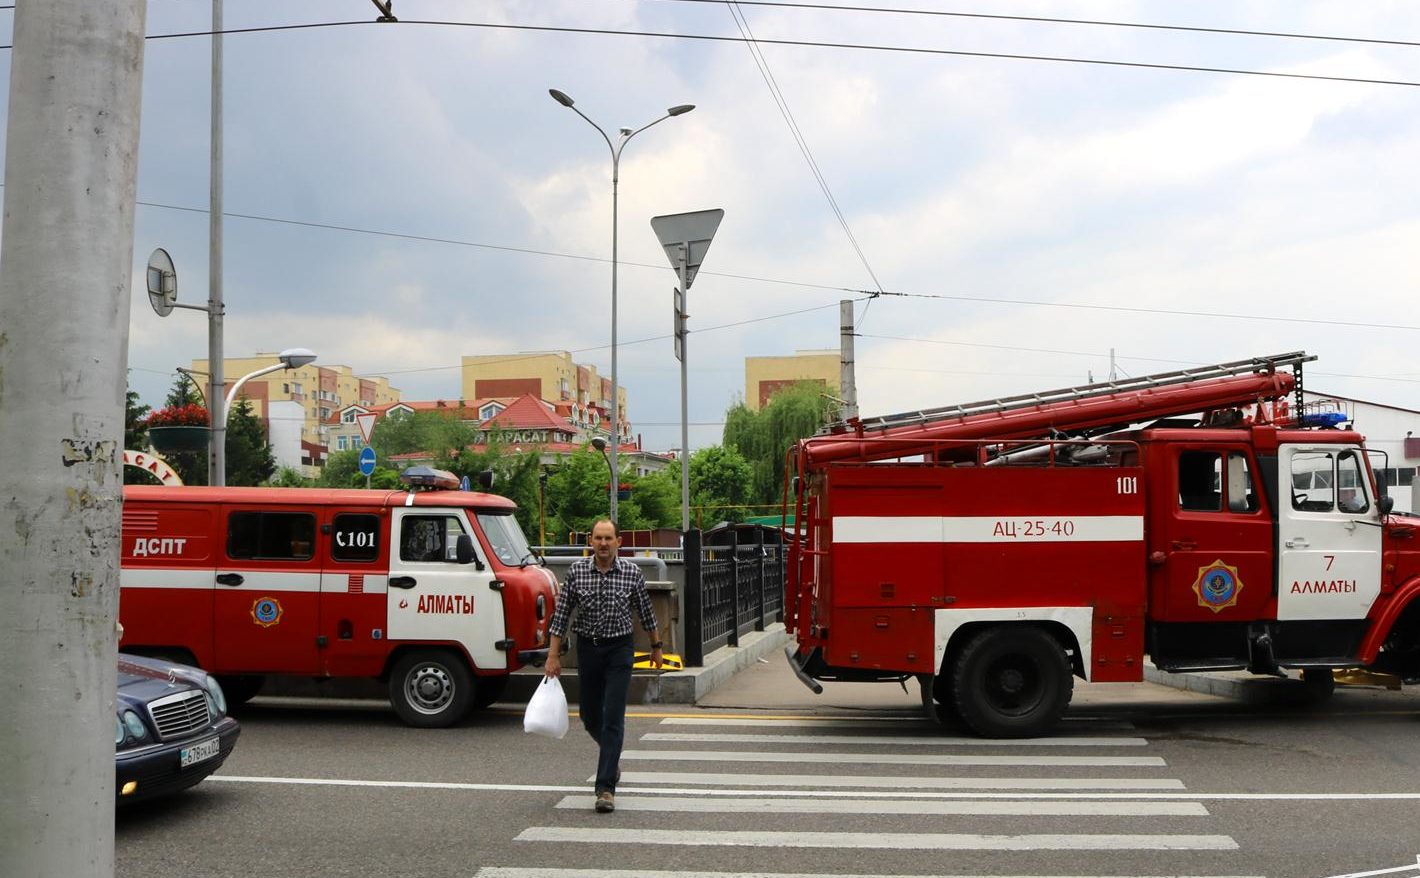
[(551, 376), (766, 376)]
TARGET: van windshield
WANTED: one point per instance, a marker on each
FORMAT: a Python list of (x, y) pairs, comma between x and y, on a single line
[(506, 538)]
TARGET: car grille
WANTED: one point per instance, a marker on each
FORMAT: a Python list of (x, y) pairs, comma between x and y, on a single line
[(180, 714)]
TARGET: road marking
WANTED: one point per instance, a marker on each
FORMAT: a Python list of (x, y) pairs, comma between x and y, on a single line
[(919, 841), (961, 808), (900, 740), (891, 758), (856, 723), (862, 794), (938, 783), (544, 872)]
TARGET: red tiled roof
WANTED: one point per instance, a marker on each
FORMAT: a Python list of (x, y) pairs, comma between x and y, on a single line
[(528, 412)]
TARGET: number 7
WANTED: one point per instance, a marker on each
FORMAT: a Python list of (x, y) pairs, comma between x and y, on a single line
[(1329, 560)]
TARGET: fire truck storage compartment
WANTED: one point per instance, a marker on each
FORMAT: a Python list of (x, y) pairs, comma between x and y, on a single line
[(919, 537)]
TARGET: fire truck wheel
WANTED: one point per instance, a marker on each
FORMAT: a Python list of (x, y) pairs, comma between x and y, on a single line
[(1319, 683), (488, 690), (431, 689), (240, 689), (1012, 682)]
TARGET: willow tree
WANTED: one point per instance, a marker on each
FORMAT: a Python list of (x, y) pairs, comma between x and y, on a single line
[(762, 438)]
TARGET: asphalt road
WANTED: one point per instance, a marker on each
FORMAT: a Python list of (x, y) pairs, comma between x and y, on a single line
[(768, 779)]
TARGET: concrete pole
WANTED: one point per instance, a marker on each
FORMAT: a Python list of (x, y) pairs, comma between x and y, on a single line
[(71, 165), (217, 450), (848, 383)]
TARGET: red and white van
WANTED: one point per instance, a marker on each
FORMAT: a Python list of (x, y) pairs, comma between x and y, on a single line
[(435, 591)]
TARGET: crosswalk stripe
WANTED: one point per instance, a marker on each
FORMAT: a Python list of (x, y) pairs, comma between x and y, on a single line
[(868, 722), (879, 840), (545, 872), (892, 758), (897, 740), (889, 781), (938, 808)]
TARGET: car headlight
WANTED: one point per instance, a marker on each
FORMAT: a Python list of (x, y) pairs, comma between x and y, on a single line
[(219, 700), (118, 733), (134, 724)]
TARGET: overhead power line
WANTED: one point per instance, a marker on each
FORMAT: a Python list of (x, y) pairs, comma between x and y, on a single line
[(820, 44), (1092, 22)]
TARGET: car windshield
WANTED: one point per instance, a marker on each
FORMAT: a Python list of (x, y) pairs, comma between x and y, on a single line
[(506, 538)]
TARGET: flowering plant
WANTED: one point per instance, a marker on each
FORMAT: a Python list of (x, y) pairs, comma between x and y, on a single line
[(190, 415)]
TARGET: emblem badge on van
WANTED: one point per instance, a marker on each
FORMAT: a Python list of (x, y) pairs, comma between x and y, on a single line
[(266, 612)]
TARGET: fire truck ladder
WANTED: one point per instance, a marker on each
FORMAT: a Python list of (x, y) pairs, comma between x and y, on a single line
[(1294, 359)]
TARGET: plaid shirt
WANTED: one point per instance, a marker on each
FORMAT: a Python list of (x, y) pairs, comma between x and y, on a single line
[(605, 599)]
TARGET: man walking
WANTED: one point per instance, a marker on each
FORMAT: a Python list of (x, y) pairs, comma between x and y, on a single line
[(602, 590)]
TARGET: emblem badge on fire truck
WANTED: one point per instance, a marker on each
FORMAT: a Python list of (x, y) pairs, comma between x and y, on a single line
[(266, 612), (1217, 586)]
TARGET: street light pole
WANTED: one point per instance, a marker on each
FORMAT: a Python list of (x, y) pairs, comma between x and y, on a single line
[(217, 449), (291, 358), (625, 137), (599, 444)]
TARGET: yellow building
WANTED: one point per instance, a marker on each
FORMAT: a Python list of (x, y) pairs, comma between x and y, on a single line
[(550, 376), (766, 376), (319, 391)]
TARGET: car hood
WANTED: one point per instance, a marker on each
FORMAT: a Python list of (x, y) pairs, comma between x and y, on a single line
[(144, 678)]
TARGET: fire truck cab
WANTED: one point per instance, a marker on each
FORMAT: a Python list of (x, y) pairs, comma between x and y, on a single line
[(434, 591), (998, 550)]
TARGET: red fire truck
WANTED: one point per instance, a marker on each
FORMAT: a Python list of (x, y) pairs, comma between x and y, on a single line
[(997, 550), (435, 591)]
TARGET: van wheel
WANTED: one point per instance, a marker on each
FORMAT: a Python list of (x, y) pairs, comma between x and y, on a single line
[(1012, 682), (1319, 683), (431, 689), (488, 690), (240, 689)]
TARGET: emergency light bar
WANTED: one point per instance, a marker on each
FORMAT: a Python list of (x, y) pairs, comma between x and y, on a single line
[(1322, 419), (427, 478)]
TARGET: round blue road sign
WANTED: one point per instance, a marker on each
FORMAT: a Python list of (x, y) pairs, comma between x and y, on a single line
[(367, 460)]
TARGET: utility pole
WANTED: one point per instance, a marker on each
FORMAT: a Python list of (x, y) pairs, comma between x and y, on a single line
[(66, 263), (848, 384), (216, 412)]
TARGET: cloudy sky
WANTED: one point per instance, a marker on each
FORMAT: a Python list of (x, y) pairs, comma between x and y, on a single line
[(1038, 213)]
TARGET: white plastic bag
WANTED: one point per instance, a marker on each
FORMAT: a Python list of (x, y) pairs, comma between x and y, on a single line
[(547, 710)]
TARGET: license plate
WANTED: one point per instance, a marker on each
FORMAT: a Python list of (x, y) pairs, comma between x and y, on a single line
[(201, 751)]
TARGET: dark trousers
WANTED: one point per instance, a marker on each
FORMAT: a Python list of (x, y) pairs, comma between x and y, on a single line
[(603, 676)]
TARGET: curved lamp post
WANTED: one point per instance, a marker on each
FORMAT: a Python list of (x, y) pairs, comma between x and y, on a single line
[(291, 358), (599, 443), (625, 136)]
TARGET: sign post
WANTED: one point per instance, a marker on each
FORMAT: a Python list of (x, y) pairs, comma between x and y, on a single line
[(686, 238)]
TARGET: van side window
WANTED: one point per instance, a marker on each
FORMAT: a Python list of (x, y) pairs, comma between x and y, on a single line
[(273, 536), (355, 537), (1198, 481), (428, 537)]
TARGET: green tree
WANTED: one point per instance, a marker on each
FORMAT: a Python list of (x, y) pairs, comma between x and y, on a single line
[(191, 466), (287, 477), (342, 470), (720, 484), (577, 493), (763, 437), (249, 458), (438, 433), (135, 437)]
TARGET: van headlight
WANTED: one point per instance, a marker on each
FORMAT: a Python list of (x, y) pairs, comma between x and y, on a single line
[(214, 691)]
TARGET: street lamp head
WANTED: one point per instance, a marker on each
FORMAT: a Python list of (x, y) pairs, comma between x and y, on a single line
[(599, 443), (680, 110), (295, 358), (561, 97)]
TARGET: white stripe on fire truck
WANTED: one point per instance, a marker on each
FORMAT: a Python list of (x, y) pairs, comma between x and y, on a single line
[(903, 740), (260, 580), (987, 529), (897, 782), (890, 758), (513, 871), (938, 808), (919, 841)]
